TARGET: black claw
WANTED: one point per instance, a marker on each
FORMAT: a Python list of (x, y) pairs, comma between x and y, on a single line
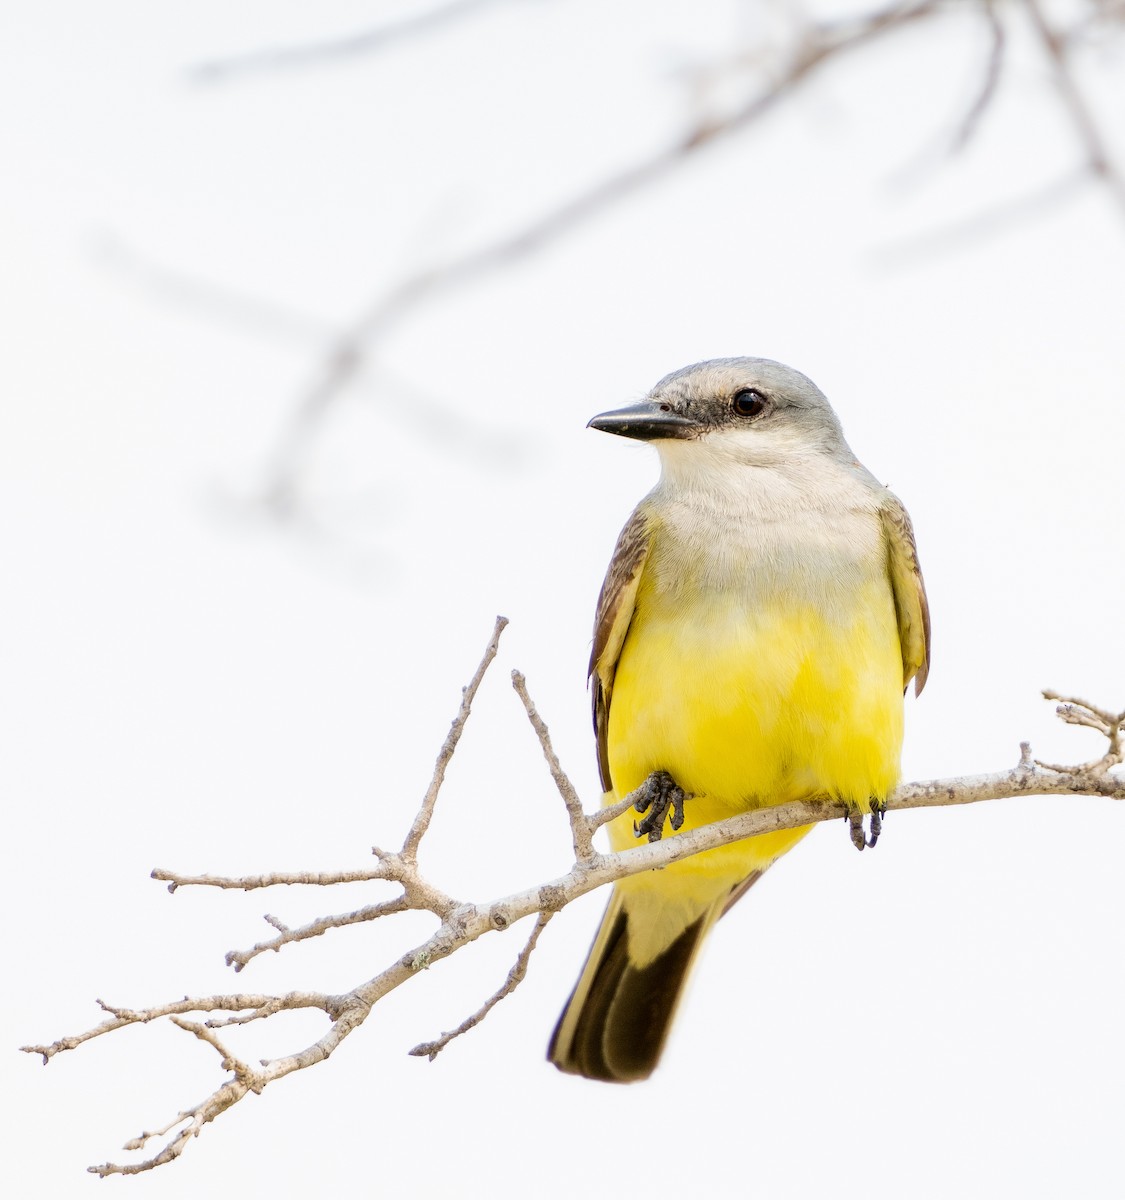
[(658, 795), (678, 797), (877, 811)]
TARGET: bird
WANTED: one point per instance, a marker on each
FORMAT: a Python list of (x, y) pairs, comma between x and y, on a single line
[(761, 618)]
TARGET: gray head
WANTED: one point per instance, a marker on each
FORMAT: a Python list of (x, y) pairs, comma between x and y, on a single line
[(751, 411)]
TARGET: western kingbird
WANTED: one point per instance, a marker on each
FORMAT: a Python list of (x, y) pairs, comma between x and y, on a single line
[(761, 617)]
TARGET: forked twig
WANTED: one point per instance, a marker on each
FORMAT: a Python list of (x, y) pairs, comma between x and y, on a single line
[(286, 936), (1110, 725)]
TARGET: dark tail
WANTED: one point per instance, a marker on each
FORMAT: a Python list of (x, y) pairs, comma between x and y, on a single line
[(617, 1019)]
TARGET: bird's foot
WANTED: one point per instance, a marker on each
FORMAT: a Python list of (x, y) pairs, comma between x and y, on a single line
[(860, 840), (656, 797)]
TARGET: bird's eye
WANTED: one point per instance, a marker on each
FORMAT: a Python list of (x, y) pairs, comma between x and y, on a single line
[(749, 403)]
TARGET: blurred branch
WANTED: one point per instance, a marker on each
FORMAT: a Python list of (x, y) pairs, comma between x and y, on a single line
[(257, 314), (461, 923), (817, 45), (1056, 46), (346, 355), (453, 430), (970, 123), (370, 41), (985, 223)]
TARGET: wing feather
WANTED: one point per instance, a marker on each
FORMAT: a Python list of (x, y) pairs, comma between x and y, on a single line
[(616, 602), (911, 606)]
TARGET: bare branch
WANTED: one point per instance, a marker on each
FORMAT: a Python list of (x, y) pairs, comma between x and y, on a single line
[(199, 1116), (462, 924), (516, 975), (426, 812), (121, 1017)]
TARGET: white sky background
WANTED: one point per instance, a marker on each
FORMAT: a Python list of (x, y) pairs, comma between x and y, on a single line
[(188, 686)]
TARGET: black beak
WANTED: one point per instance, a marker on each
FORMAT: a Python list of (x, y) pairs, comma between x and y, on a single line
[(647, 421)]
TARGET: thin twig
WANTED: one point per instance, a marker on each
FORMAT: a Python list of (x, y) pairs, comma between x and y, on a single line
[(583, 825), (122, 1017), (206, 1033), (426, 811), (197, 1117), (286, 937), (579, 824), (516, 975), (249, 883)]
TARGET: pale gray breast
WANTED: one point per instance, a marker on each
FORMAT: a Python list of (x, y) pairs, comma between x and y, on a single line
[(807, 536)]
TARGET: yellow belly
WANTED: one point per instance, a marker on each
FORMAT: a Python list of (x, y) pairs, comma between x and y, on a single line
[(746, 706)]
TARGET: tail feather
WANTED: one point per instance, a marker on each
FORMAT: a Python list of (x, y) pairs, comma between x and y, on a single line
[(617, 1019)]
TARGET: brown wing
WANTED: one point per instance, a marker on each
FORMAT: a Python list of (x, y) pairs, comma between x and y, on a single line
[(614, 615), (911, 606)]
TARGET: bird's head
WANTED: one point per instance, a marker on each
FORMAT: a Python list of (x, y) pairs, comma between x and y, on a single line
[(740, 411)]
